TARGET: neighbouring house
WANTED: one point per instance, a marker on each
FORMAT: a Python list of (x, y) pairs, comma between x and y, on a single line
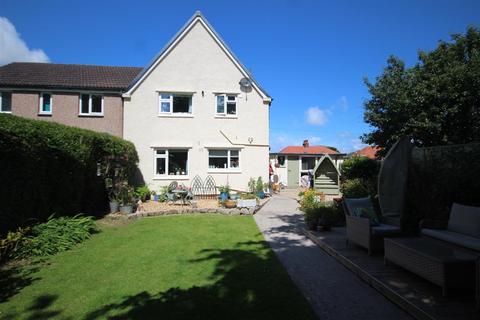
[(84, 96), (293, 163), (369, 152), (195, 110)]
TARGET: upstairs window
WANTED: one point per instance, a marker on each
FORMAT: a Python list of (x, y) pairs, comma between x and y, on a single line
[(6, 102), (45, 103), (91, 105), (175, 104), (226, 105), (223, 159)]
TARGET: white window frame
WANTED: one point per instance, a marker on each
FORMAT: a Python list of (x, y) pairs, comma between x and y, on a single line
[(170, 101), (166, 157), (228, 168), (225, 103), (40, 107), (1, 102), (90, 113)]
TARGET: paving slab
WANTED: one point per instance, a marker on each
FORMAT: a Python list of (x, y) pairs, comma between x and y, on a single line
[(333, 291)]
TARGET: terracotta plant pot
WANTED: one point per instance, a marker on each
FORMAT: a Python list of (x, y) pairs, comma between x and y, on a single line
[(230, 204)]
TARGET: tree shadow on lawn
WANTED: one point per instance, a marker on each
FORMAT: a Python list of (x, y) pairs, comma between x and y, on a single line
[(16, 276), (37, 310), (250, 283)]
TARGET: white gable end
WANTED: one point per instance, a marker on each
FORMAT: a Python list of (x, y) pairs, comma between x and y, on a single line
[(198, 44)]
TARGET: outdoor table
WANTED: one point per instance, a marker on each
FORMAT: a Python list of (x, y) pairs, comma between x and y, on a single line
[(182, 194)]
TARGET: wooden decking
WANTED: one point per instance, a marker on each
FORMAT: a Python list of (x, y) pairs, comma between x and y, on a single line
[(420, 298)]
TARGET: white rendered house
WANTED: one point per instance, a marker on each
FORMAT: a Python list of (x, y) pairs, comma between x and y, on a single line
[(188, 115)]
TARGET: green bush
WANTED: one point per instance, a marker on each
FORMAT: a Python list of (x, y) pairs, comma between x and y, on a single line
[(324, 213), (354, 188), (55, 235), (49, 167), (360, 168), (11, 243), (143, 193)]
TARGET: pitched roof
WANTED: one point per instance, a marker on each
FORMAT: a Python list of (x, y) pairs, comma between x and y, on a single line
[(307, 150), (197, 17), (368, 152), (66, 76)]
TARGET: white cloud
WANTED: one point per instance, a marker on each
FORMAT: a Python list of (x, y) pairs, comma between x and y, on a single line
[(316, 116), (314, 140), (342, 103), (13, 48)]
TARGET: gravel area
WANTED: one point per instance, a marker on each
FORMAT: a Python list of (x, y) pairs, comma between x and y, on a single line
[(333, 291)]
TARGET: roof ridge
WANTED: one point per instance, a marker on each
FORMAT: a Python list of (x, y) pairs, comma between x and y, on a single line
[(71, 64)]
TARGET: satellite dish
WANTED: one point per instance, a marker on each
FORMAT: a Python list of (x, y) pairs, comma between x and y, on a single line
[(245, 83)]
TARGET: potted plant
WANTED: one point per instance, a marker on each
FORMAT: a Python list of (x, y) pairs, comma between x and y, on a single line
[(126, 199), (267, 189), (224, 192), (259, 188), (230, 204), (113, 204)]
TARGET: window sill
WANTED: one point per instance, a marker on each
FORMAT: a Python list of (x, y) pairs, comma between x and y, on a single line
[(172, 177), (225, 117), (175, 115), (44, 114), (5, 111), (223, 171), (91, 115)]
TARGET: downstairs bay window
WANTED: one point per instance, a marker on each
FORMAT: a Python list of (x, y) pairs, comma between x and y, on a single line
[(170, 162), (223, 159)]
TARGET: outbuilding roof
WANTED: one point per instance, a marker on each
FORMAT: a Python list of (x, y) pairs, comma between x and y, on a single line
[(66, 76), (307, 150), (368, 152)]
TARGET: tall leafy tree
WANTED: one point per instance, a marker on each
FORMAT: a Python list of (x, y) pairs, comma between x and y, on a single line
[(435, 102)]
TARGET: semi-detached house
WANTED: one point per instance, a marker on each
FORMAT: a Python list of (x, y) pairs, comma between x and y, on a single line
[(194, 110)]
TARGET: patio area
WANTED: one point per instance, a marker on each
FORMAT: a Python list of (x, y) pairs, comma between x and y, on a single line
[(417, 296)]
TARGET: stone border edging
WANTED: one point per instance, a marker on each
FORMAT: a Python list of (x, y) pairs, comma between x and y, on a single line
[(224, 211), (378, 285)]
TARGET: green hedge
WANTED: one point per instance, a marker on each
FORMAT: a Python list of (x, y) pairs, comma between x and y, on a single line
[(50, 168)]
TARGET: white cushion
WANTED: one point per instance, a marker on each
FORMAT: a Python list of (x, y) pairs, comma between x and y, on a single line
[(454, 237), (465, 220)]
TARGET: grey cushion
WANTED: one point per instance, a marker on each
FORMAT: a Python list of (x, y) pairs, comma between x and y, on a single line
[(385, 230), (465, 220), (454, 237), (353, 204)]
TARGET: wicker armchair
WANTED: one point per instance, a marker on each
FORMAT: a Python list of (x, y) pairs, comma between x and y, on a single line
[(359, 229)]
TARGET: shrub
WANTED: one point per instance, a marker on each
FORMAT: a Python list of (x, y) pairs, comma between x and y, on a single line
[(354, 188), (359, 168), (143, 193), (259, 186), (11, 242), (55, 235), (49, 167), (324, 213), (311, 199)]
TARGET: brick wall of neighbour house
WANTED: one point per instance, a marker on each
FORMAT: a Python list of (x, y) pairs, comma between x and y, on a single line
[(65, 110)]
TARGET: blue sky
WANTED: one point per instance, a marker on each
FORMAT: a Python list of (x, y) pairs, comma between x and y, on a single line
[(311, 56)]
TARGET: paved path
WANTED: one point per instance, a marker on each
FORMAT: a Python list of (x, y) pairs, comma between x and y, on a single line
[(333, 291)]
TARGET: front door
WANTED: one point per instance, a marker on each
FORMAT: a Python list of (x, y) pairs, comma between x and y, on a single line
[(293, 171)]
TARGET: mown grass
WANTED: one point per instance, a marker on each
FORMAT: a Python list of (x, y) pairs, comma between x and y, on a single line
[(174, 267)]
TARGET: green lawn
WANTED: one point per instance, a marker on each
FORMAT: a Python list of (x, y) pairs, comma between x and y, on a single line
[(172, 267)]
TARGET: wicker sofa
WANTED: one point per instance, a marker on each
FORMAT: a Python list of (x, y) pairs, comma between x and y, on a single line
[(462, 229), (360, 230)]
